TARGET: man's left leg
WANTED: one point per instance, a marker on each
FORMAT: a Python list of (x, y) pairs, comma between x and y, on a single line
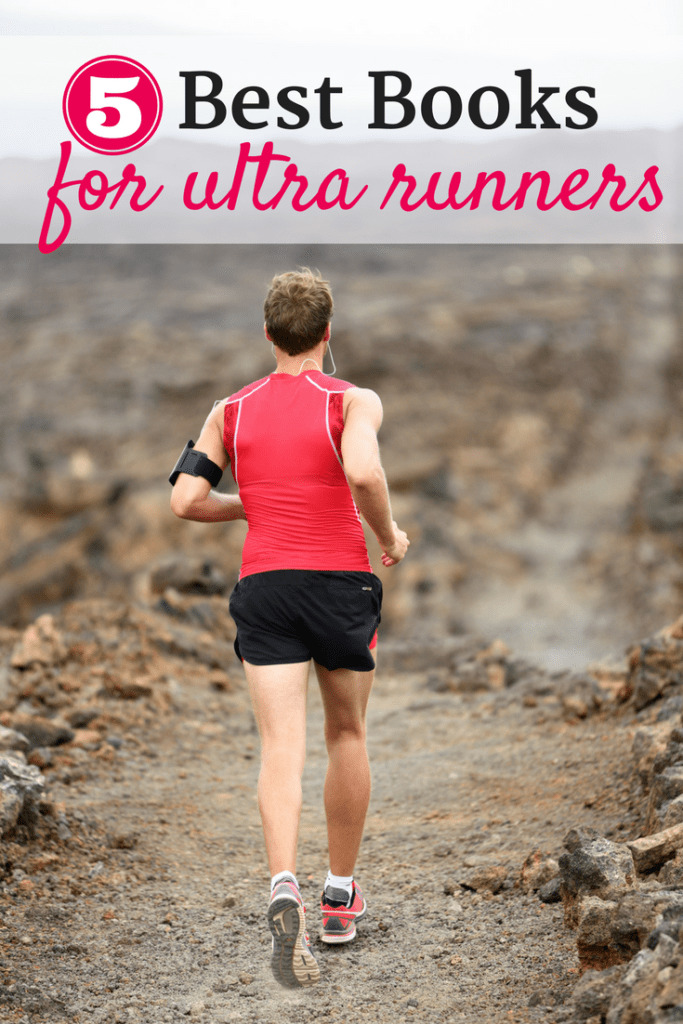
[(345, 697), (347, 794)]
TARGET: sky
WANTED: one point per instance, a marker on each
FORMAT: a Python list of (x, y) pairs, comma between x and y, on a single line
[(631, 53), (309, 21)]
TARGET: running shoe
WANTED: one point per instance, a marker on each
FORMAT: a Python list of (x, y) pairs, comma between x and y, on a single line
[(292, 962), (340, 913)]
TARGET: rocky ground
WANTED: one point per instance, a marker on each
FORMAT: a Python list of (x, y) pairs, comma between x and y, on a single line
[(524, 850), (499, 860)]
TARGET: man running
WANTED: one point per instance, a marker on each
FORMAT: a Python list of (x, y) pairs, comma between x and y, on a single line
[(303, 451)]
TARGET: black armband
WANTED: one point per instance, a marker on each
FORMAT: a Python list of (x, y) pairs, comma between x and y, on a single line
[(196, 464)]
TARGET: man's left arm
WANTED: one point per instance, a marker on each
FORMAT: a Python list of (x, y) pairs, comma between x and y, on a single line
[(192, 497)]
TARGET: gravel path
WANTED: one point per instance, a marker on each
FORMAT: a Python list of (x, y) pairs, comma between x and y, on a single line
[(153, 910)]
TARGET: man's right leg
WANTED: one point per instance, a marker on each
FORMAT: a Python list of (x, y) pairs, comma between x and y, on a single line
[(278, 695)]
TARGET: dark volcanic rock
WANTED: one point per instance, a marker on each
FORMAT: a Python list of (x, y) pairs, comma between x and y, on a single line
[(21, 786), (656, 666), (666, 787), (538, 870), (671, 925), (593, 994), (612, 932), (652, 851), (189, 575), (550, 892), (650, 991), (40, 644), (671, 873), (10, 739), (487, 878), (630, 1001), (662, 503), (595, 866), (41, 732), (649, 744)]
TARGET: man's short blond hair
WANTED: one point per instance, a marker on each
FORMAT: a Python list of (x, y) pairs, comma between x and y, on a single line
[(297, 310)]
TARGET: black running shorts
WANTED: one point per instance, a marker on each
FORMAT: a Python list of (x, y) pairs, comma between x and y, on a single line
[(293, 615)]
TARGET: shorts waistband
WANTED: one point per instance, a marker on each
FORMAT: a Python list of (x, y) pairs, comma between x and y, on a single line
[(295, 577)]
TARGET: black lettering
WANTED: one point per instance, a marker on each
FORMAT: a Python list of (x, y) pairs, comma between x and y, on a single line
[(325, 92), (292, 107), (192, 99), (474, 107), (240, 104), (589, 112), (427, 107), (528, 108), (381, 99)]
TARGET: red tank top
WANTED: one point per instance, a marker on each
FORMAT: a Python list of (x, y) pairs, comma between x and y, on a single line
[(283, 436)]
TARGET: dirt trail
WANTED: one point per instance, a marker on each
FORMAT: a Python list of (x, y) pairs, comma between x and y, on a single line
[(155, 911)]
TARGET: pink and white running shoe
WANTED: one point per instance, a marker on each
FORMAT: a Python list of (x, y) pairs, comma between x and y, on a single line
[(341, 913), (292, 962)]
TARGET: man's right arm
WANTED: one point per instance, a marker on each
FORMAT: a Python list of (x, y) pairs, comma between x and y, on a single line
[(363, 468), (192, 496)]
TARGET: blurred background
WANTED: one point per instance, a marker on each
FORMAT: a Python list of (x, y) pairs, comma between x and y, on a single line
[(532, 434)]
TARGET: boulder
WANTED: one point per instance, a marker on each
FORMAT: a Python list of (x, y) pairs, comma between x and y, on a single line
[(5, 685), (650, 852), (649, 743), (593, 994), (550, 892), (592, 866), (537, 870), (188, 575), (635, 988), (671, 924), (650, 991), (671, 875), (485, 878), (672, 754), (666, 786), (581, 696), (41, 732), (40, 644), (594, 934), (612, 932), (670, 998), (10, 739), (21, 786), (656, 666)]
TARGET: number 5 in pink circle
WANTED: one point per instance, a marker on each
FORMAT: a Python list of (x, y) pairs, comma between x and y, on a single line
[(112, 105)]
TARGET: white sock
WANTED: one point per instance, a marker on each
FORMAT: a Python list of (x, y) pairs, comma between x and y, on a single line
[(281, 876), (344, 882)]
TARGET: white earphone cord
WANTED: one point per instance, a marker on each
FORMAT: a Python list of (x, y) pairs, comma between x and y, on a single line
[(309, 359)]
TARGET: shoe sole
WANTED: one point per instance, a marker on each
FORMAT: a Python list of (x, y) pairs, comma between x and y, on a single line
[(337, 938), (293, 965)]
